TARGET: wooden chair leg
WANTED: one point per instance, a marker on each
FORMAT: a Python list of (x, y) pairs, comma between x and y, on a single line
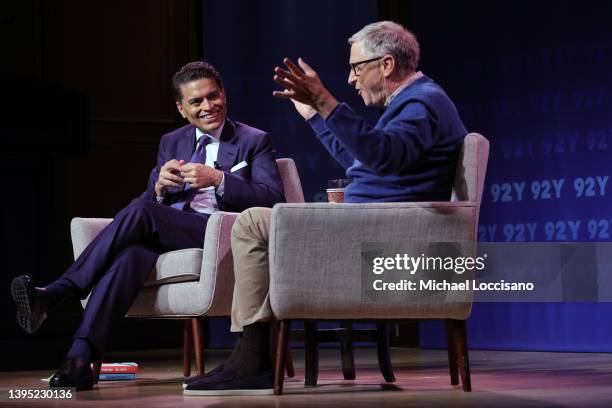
[(97, 365), (273, 338), (452, 355), (311, 353), (281, 355), (459, 341), (187, 340), (347, 353), (384, 353), (198, 344)]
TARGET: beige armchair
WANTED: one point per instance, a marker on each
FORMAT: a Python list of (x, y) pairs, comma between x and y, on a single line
[(190, 283), (315, 252)]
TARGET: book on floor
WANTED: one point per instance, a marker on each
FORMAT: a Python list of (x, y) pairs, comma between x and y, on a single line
[(117, 377), (112, 368)]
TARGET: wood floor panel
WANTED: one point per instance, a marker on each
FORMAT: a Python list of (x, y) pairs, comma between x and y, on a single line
[(499, 379)]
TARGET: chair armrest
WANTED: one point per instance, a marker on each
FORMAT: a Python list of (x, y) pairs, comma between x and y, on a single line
[(315, 248), (218, 264), (84, 230)]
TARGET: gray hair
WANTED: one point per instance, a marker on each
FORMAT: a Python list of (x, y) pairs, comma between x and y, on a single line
[(387, 37)]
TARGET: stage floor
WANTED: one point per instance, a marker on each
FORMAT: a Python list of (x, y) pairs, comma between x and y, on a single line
[(499, 379)]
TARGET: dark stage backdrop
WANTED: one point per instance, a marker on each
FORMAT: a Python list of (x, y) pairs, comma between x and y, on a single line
[(533, 77)]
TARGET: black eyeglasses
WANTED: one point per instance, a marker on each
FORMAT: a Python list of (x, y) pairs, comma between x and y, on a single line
[(355, 64)]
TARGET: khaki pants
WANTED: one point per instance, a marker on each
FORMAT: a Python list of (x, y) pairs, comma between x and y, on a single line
[(250, 237)]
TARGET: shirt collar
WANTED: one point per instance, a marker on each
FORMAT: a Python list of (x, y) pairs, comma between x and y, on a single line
[(214, 135), (403, 86)]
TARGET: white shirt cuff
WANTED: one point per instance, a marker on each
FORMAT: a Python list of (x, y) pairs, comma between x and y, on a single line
[(221, 187)]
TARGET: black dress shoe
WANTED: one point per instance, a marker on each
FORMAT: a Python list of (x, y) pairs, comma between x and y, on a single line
[(73, 372), (214, 371), (30, 310), (229, 382), (218, 369)]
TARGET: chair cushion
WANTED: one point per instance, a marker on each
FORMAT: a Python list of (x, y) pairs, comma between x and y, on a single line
[(182, 265)]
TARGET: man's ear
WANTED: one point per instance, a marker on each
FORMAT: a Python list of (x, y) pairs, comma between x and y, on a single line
[(179, 106), (388, 65)]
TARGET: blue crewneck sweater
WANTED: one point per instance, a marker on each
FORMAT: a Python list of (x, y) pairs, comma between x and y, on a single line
[(410, 155)]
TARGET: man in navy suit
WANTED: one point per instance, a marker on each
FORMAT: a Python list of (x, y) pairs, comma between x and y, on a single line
[(211, 164)]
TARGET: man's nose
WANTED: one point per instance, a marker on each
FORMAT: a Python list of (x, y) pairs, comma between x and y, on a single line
[(352, 78), (206, 104)]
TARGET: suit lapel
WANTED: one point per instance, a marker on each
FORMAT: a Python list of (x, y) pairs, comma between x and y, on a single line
[(186, 145), (227, 146)]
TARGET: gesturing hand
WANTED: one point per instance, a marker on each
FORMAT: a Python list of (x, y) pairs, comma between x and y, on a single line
[(303, 86), (169, 177), (200, 175)]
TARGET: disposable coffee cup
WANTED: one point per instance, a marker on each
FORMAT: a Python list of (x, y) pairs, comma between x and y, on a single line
[(335, 195), (335, 190)]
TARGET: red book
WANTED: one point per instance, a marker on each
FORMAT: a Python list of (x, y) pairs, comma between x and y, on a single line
[(113, 368)]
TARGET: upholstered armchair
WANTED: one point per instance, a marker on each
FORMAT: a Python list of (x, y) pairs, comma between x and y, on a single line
[(190, 283), (315, 259)]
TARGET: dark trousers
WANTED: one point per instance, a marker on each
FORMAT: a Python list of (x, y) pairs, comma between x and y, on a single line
[(118, 261)]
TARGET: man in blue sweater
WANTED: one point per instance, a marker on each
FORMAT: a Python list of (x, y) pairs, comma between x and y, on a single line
[(410, 155)]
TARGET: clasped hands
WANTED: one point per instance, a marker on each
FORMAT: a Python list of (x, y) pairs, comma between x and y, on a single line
[(304, 88), (175, 173)]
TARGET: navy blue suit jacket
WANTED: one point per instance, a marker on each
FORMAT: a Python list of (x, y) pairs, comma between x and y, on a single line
[(256, 185)]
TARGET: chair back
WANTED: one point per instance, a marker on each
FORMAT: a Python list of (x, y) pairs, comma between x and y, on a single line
[(291, 180), (471, 169)]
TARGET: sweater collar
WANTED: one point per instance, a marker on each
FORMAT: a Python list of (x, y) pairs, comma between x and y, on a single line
[(403, 86)]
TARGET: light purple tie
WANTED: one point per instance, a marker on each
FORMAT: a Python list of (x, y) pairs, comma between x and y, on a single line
[(199, 156)]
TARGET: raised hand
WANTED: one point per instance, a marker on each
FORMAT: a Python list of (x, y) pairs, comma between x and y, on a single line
[(303, 85)]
